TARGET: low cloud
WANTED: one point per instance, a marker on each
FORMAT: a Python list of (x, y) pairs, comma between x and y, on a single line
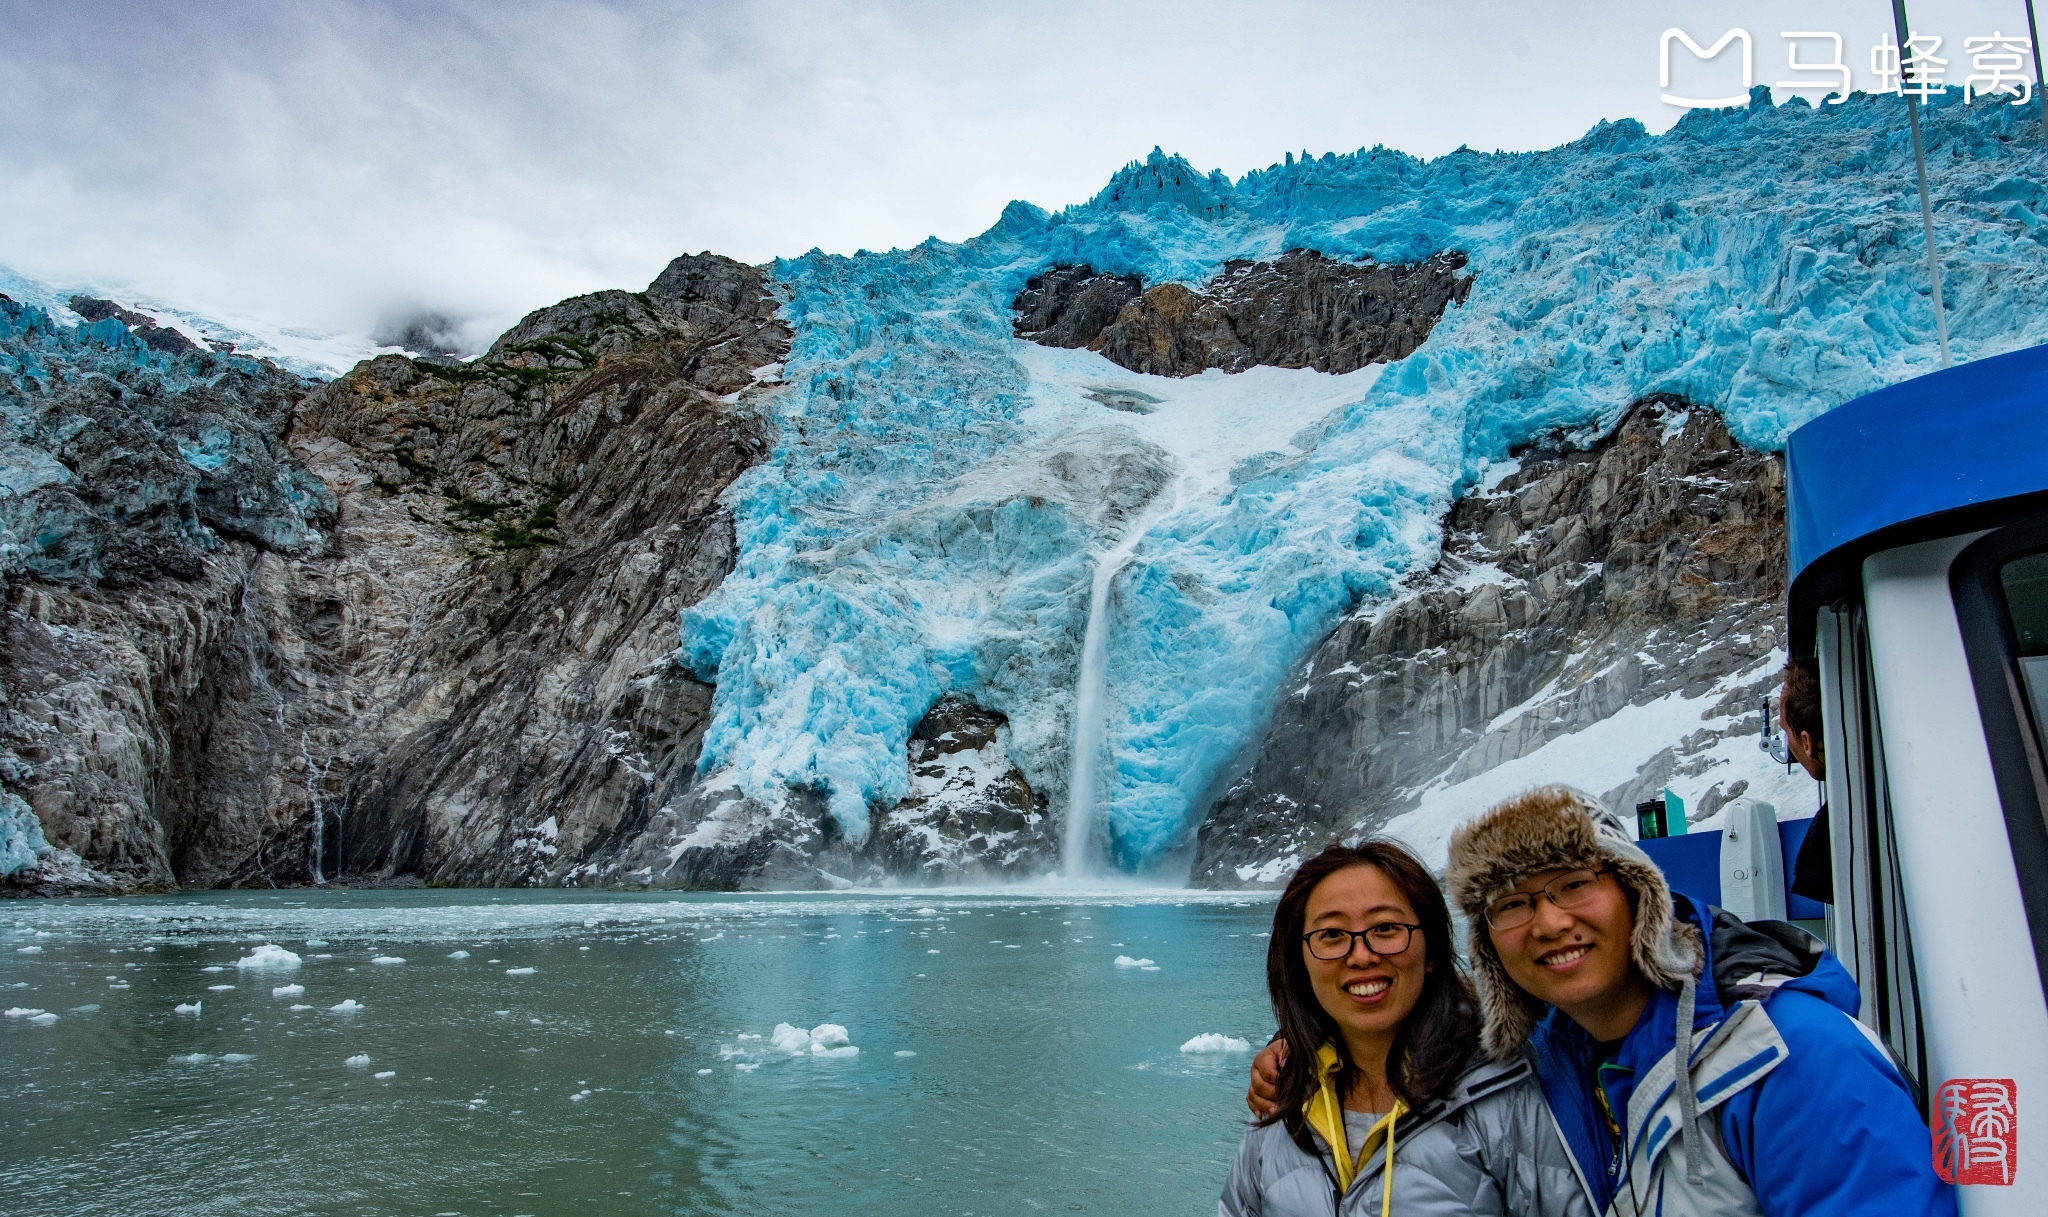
[(343, 165)]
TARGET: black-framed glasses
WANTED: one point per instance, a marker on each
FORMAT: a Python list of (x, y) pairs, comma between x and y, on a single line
[(1568, 891), (1386, 938)]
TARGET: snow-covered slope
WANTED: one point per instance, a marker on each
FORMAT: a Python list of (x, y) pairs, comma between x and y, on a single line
[(927, 522), (318, 354)]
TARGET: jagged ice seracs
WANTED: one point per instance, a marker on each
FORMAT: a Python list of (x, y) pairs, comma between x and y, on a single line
[(924, 526)]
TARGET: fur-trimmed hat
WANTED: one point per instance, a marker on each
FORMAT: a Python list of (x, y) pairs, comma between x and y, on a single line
[(1553, 828)]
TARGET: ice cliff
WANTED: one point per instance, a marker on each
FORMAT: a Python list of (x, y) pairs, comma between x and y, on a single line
[(939, 490), (1340, 495)]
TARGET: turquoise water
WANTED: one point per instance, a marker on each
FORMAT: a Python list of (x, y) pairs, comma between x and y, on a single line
[(614, 1077)]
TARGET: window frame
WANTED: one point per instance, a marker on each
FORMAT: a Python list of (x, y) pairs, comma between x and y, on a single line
[(1991, 646)]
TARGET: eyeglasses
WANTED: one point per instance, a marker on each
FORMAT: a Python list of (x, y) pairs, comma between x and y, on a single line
[(1386, 938), (1567, 891)]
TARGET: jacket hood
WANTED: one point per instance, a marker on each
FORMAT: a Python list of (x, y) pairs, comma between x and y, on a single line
[(1554, 828), (1754, 959)]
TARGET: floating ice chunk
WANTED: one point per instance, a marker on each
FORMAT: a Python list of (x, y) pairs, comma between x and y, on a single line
[(1216, 1042), (388, 1073), (191, 1058), (269, 955), (316, 943), (458, 954), (793, 1040), (31, 949), (1125, 961), (747, 1066), (933, 951), (302, 1006), (387, 960), (927, 912), (828, 1035), (22, 1011), (578, 1098), (501, 1013), (288, 990), (905, 1052), (218, 988), (518, 971), (347, 1005), (187, 1007), (213, 968), (43, 1019), (237, 1058), (87, 1009), (703, 1073), (360, 1060)]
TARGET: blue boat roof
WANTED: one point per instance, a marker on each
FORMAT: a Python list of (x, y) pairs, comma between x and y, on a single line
[(1940, 454)]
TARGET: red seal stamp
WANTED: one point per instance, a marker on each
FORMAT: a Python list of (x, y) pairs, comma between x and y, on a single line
[(1977, 1131)]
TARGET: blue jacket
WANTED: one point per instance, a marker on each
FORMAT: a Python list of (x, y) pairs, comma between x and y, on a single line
[(1831, 1129)]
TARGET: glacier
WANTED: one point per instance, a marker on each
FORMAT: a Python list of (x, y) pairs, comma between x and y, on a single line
[(940, 490)]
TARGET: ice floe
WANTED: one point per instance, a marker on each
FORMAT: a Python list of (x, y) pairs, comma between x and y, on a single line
[(187, 1007), (388, 960), (458, 954), (1125, 961), (1216, 1042), (360, 1060), (518, 971), (269, 955), (288, 990), (347, 1005)]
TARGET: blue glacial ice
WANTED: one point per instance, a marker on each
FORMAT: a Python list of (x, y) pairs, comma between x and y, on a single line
[(929, 519)]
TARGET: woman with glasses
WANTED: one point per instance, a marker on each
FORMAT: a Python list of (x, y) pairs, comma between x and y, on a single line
[(1383, 1106)]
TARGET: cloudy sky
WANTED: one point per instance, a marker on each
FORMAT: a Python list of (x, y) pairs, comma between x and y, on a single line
[(326, 163)]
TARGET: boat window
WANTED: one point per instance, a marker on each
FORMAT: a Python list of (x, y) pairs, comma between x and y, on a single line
[(2025, 584), (1868, 924), (2001, 597)]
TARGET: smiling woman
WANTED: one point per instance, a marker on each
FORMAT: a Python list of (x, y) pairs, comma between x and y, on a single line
[(1377, 1056)]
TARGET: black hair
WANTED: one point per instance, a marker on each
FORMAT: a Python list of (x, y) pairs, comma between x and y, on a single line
[(1439, 1036), (1802, 698)]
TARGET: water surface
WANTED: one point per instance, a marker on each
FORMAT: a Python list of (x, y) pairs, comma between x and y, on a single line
[(1006, 1063)]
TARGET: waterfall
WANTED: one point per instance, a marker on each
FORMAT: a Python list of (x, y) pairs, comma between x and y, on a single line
[(1078, 851), (315, 777)]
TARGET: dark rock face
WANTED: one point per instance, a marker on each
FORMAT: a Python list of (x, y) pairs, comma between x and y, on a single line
[(1585, 582), (420, 616), (417, 624), (1070, 306), (1302, 310), (969, 812), (145, 328)]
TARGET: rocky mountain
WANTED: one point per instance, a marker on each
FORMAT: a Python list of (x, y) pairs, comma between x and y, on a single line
[(1352, 493), (414, 623), (1645, 570), (1301, 310)]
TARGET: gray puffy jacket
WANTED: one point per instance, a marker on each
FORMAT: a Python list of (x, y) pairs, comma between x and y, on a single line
[(1491, 1148)]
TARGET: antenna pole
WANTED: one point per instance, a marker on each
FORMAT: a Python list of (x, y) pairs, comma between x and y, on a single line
[(1920, 165), (2034, 44)]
